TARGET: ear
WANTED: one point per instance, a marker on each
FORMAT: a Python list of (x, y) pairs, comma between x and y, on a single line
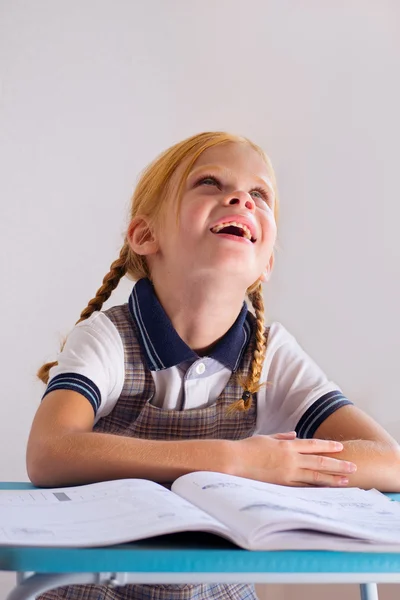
[(266, 274), (140, 237)]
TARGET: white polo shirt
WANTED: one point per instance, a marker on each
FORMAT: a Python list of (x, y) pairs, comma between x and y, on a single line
[(298, 395)]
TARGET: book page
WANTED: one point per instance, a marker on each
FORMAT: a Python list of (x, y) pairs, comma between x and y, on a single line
[(98, 514), (261, 512)]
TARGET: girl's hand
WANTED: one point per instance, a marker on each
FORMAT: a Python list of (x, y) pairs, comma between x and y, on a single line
[(285, 460)]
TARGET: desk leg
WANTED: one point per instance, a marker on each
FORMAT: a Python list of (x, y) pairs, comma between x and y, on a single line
[(369, 591)]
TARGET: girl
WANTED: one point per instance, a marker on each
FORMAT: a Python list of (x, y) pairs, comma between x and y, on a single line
[(183, 377)]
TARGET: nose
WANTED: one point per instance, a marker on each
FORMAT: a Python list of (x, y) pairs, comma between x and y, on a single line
[(241, 199)]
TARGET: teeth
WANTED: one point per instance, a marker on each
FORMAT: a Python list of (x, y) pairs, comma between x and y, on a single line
[(245, 229)]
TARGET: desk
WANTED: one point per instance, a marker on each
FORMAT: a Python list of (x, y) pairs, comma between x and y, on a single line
[(190, 558)]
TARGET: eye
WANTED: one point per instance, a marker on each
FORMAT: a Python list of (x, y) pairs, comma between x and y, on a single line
[(211, 178), (260, 192)]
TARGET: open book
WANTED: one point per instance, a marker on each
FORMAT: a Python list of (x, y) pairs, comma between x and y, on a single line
[(253, 515)]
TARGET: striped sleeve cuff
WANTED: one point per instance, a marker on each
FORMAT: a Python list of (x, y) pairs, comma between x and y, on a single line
[(318, 412), (77, 383)]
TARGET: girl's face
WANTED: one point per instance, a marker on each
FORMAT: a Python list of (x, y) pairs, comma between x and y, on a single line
[(226, 225)]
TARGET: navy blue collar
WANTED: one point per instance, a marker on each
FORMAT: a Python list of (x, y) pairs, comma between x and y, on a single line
[(162, 346)]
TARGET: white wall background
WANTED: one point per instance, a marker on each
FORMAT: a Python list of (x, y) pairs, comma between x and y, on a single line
[(92, 90)]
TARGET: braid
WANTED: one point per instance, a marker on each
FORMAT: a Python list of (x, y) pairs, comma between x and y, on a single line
[(43, 372), (111, 280), (251, 383)]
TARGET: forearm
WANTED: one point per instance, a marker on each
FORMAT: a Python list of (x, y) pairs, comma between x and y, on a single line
[(86, 457), (378, 464)]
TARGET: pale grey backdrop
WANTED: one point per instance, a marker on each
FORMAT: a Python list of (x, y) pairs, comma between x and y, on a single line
[(91, 91)]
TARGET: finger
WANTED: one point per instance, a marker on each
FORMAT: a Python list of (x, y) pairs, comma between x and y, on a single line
[(326, 464), (315, 446), (288, 435), (320, 479), (334, 481)]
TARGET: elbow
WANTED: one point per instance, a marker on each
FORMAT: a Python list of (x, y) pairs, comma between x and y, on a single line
[(37, 475), (42, 465), (396, 475), (390, 469)]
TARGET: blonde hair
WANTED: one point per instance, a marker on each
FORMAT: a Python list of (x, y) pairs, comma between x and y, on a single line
[(149, 199)]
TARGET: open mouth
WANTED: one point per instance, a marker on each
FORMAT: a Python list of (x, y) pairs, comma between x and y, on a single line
[(237, 229)]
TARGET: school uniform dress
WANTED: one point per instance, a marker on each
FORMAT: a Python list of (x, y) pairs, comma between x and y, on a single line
[(143, 381)]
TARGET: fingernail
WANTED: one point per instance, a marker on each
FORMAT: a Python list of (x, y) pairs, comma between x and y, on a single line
[(338, 446), (343, 481), (351, 467)]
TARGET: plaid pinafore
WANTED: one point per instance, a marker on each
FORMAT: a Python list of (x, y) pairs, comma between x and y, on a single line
[(135, 416)]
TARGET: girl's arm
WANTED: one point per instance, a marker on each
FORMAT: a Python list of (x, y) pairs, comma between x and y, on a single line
[(63, 450), (368, 445)]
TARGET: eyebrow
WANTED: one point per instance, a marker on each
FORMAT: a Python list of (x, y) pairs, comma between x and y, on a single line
[(225, 170)]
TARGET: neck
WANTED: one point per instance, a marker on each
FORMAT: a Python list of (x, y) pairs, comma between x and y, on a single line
[(200, 311)]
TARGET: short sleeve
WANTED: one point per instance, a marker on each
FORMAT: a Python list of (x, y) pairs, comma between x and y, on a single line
[(92, 364), (297, 396)]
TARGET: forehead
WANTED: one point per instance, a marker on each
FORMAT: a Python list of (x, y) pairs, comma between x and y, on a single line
[(234, 157)]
